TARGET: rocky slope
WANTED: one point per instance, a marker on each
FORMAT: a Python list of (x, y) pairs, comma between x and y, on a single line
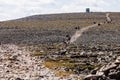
[(22, 63), (47, 54), (55, 28), (17, 64), (77, 60), (107, 72)]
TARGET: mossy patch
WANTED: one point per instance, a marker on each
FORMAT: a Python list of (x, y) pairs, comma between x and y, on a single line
[(62, 73), (52, 64), (37, 54)]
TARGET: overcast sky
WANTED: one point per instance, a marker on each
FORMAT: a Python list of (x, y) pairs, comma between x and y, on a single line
[(12, 9)]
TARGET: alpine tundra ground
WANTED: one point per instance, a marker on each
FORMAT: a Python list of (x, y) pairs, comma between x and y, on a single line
[(40, 43)]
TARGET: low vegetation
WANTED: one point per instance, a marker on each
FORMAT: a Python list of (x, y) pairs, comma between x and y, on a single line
[(46, 38), (43, 30)]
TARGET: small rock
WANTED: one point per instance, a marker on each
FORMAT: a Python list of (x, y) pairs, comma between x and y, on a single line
[(100, 73), (66, 69), (93, 71), (117, 61), (114, 75), (11, 78), (118, 68), (92, 77), (18, 79), (108, 67)]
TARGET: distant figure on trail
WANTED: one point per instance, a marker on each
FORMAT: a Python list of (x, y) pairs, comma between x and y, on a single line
[(67, 39), (94, 22), (77, 28), (108, 19)]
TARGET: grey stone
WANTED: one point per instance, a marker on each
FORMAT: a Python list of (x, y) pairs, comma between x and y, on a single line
[(92, 77), (114, 75), (18, 79), (108, 67)]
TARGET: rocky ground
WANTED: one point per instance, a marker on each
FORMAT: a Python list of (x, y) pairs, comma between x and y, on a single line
[(22, 63), (17, 64), (111, 71), (77, 60), (49, 29), (37, 48)]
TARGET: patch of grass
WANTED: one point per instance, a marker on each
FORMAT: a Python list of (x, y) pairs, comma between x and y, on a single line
[(53, 64), (37, 54), (89, 67), (62, 74)]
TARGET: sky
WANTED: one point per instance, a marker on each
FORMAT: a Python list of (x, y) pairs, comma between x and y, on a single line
[(13, 9)]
